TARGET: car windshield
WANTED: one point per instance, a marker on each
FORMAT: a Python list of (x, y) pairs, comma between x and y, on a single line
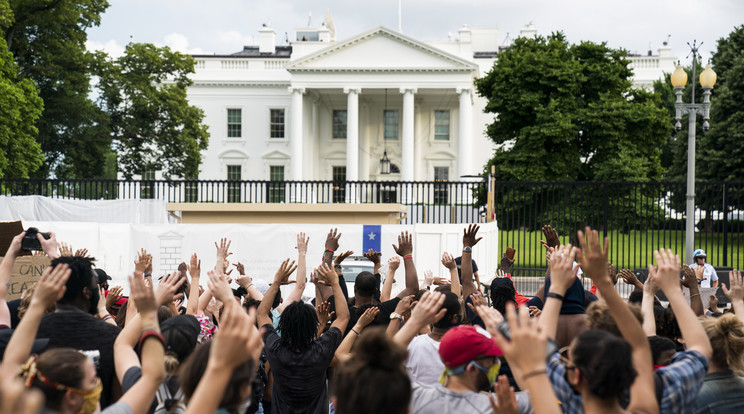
[(352, 270)]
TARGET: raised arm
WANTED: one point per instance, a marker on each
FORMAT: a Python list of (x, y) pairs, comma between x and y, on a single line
[(49, 290), (405, 250), (343, 352), (235, 343), (449, 262), (331, 245), (594, 263), (690, 282), (387, 287), (140, 395), (281, 277), (374, 257), (562, 276), (667, 277), (330, 278), (647, 307), (469, 240), (427, 311), (223, 251), (6, 269), (296, 294), (736, 293), (192, 306)]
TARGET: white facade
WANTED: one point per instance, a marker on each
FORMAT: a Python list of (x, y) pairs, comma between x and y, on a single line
[(315, 110)]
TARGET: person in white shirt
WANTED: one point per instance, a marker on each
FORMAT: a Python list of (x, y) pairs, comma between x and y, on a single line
[(704, 272)]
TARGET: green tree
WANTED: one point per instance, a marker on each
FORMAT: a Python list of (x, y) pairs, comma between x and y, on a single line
[(151, 122), (568, 112), (47, 39), (20, 107)]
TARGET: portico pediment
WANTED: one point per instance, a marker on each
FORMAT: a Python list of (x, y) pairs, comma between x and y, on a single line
[(381, 50)]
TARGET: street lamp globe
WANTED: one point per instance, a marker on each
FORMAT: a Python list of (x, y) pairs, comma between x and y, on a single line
[(679, 77), (708, 77)]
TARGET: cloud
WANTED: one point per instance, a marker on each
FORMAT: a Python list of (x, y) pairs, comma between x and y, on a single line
[(180, 43), (111, 47)]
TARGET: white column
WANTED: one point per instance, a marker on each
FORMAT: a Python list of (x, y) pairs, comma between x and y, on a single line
[(407, 156), (352, 134), (465, 138), (296, 133)]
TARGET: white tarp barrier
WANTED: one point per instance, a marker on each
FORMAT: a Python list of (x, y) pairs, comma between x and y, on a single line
[(38, 208), (260, 247)]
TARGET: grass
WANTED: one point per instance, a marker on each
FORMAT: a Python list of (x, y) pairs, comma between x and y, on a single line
[(630, 250)]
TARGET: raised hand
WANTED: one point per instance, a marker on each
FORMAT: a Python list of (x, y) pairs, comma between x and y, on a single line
[(477, 299), (650, 286), (331, 242), (240, 268), (736, 282), (506, 263), (341, 257), (49, 246), (81, 252), (441, 281), (506, 400), (52, 285), (194, 267), (630, 278), (666, 275), (142, 261), (285, 269), (469, 237), (143, 296), (448, 261), (562, 271), (65, 249), (302, 241), (405, 244), (367, 317), (611, 273), (491, 317), (324, 313), (373, 256), (219, 286), (168, 286), (428, 278), (326, 276), (551, 236), (527, 348), (688, 276), (113, 296), (428, 310), (394, 263), (404, 305), (223, 251), (592, 257), (699, 270)]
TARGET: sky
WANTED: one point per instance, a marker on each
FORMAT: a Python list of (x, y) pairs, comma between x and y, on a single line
[(225, 26)]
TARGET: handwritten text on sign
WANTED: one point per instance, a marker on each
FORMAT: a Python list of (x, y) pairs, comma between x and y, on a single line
[(26, 271)]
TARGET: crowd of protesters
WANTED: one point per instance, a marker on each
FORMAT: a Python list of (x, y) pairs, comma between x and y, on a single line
[(197, 341)]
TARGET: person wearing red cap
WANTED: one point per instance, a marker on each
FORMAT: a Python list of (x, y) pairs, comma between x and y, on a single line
[(471, 365)]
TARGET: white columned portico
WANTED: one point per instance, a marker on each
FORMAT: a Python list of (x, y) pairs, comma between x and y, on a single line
[(407, 155), (296, 133), (465, 138), (352, 134)]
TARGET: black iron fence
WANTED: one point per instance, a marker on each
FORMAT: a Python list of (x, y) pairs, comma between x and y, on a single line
[(427, 202), (637, 218)]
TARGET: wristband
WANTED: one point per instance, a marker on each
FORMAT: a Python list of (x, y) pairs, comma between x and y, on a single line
[(534, 374), (408, 256), (555, 295), (148, 274), (148, 334), (352, 330), (694, 294), (329, 250), (107, 317)]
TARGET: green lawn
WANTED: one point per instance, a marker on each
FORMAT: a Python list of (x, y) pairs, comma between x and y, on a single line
[(630, 250)]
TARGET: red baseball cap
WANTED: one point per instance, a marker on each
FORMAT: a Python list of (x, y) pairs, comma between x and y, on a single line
[(465, 343)]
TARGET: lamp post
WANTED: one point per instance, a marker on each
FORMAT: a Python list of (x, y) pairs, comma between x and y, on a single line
[(692, 109)]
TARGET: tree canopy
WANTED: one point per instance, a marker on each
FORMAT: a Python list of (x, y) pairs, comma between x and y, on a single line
[(151, 122), (568, 112)]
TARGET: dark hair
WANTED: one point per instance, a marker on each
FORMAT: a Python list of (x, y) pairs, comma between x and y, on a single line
[(365, 284), (606, 363), (251, 303), (502, 292), (63, 366), (374, 380), (277, 299), (121, 315), (635, 296), (240, 292), (193, 369), (452, 304), (164, 313), (666, 322), (298, 325), (81, 275), (659, 345)]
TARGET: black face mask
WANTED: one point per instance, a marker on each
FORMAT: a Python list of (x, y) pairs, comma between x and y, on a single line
[(94, 297)]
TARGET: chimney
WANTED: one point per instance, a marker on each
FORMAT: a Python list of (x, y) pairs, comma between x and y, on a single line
[(464, 34), (266, 40), (324, 35), (529, 31)]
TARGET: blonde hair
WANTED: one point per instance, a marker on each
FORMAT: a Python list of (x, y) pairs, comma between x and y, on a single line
[(726, 335)]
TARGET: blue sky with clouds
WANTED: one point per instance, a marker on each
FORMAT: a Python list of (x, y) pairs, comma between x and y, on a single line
[(224, 26)]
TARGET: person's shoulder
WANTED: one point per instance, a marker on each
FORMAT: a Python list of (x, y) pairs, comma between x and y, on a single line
[(119, 407)]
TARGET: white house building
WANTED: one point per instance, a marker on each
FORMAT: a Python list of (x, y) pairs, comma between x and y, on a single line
[(322, 109)]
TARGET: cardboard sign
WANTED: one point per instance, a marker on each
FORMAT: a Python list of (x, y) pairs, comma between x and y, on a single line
[(26, 271), (8, 230)]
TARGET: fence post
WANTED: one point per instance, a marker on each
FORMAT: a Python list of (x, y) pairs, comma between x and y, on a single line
[(725, 228), (606, 207)]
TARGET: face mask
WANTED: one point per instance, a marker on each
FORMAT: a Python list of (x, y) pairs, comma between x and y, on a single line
[(90, 399), (491, 373)]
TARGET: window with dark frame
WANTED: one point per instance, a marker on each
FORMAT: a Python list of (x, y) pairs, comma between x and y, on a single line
[(234, 175), (441, 191), (339, 123), (442, 125), (146, 188), (276, 185), (277, 123), (234, 123), (338, 176)]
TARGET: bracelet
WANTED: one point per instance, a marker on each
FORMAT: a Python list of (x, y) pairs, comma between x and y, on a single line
[(148, 334), (694, 294), (249, 286), (352, 330), (408, 256), (329, 250), (534, 374), (555, 295), (147, 274), (107, 317)]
